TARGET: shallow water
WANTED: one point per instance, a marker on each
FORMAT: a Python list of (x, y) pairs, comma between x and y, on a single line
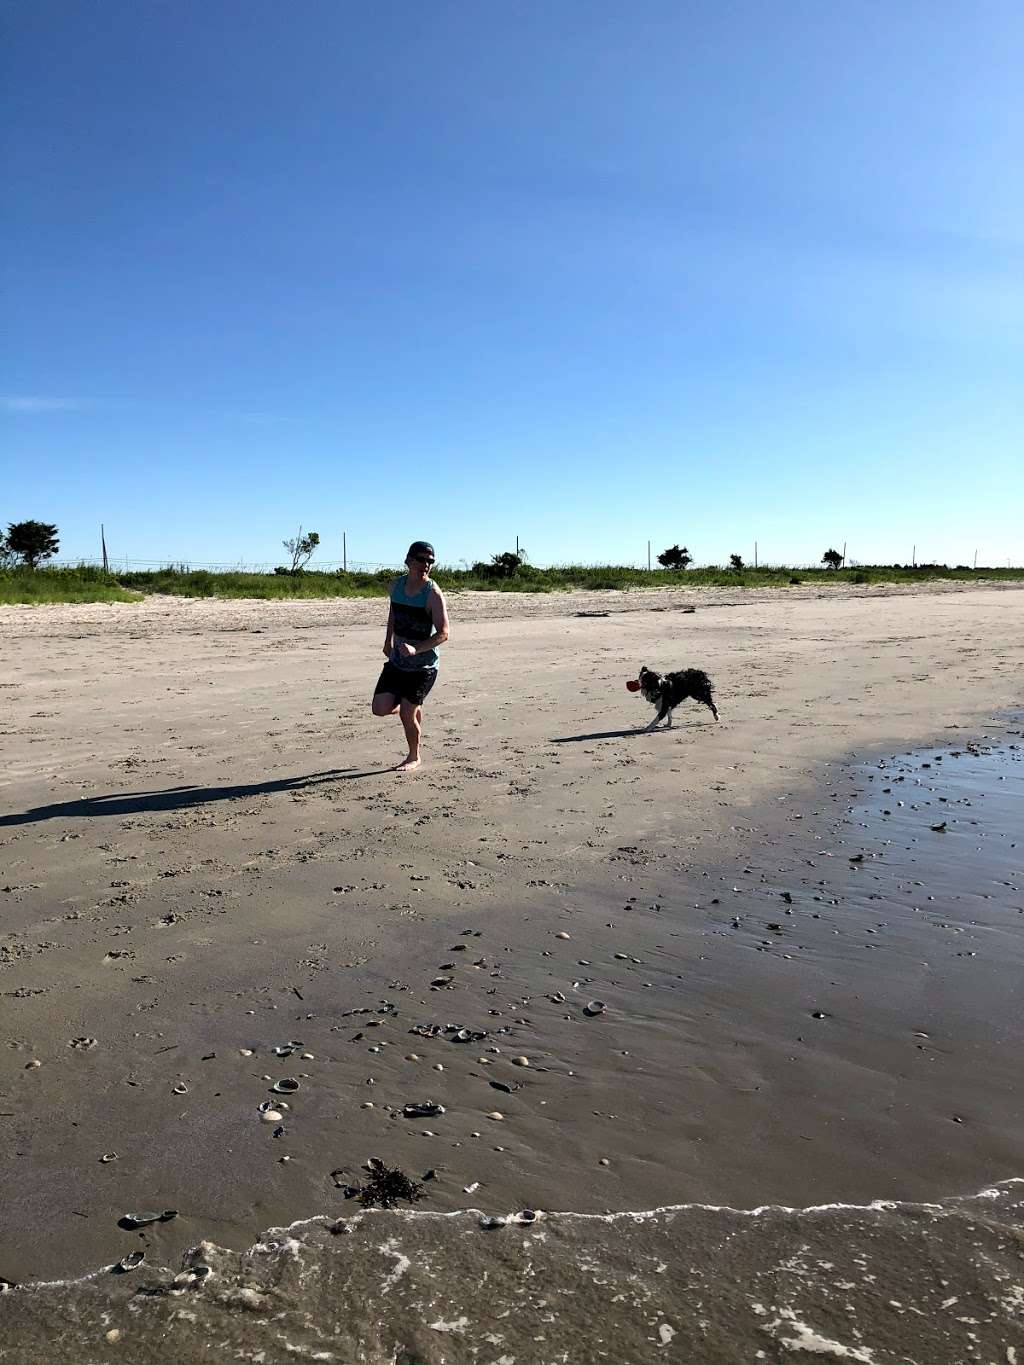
[(901, 1070)]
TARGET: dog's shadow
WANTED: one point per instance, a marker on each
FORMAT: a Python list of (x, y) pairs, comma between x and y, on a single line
[(618, 734)]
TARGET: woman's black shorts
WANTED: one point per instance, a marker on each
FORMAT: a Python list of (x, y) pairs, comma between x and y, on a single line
[(407, 684)]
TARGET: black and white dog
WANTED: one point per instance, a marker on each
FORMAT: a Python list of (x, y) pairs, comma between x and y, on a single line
[(666, 691)]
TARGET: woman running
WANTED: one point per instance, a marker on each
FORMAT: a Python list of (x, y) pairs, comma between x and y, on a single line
[(417, 625)]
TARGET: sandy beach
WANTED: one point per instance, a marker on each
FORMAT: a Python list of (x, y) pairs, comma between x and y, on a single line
[(810, 990)]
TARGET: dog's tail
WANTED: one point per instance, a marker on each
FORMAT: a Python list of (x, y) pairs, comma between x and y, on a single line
[(700, 688)]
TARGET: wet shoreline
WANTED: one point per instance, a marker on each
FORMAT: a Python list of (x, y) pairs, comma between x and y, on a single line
[(890, 1051)]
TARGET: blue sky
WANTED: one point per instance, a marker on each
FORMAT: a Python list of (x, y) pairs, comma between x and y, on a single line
[(584, 271)]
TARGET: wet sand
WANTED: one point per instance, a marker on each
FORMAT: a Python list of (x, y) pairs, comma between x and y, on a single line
[(200, 857)]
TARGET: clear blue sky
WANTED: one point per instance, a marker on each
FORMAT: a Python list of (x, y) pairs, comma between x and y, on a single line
[(581, 270)]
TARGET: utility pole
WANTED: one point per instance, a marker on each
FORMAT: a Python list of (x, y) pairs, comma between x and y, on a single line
[(103, 542), (344, 552), (844, 554), (755, 554), (517, 547), (913, 557), (648, 556), (975, 559)]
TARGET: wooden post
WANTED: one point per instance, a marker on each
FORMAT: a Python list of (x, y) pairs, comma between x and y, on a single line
[(975, 559), (913, 557), (755, 554), (844, 554), (648, 556), (344, 552), (103, 542)]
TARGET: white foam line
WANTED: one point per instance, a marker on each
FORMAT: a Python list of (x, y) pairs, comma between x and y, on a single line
[(271, 1239)]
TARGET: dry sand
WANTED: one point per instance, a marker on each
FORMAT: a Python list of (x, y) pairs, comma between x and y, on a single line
[(203, 855)]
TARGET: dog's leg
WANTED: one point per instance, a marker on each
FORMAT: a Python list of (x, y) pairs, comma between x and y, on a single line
[(669, 725), (660, 716)]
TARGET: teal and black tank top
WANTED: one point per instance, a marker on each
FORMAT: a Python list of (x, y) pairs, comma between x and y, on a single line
[(413, 622)]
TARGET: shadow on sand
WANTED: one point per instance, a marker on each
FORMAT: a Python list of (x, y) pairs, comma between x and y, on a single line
[(179, 798), (618, 734)]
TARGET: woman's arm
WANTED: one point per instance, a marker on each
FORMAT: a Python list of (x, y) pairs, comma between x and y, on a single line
[(389, 634), (439, 612)]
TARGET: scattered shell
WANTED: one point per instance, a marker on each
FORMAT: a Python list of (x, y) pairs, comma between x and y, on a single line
[(562, 934), (495, 1116), (33, 1064), (245, 1052), (490, 1220), (82, 1044), (526, 1216), (131, 1261), (180, 1089), (593, 1007), (604, 1161), (520, 1061), (412, 1057), (438, 1066), (308, 1057), (107, 1157), (425, 1110), (366, 1104), (471, 1189), (286, 1086), (114, 1335), (271, 1116), (142, 1220)]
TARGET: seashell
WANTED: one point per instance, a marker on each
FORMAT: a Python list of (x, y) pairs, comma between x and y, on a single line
[(490, 1220), (520, 1061), (494, 1114), (271, 1116), (426, 1110), (180, 1089), (129, 1262), (82, 1044), (286, 1086), (245, 1052), (33, 1064), (594, 1007), (283, 1050), (442, 981), (197, 1272), (563, 934), (308, 1057), (107, 1157), (526, 1216), (130, 1221)]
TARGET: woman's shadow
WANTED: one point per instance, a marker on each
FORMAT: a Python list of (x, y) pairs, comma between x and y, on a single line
[(178, 798)]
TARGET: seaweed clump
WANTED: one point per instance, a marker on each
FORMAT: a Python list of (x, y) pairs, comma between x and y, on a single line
[(386, 1186)]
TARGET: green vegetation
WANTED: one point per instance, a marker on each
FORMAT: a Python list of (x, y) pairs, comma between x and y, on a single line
[(87, 584), (84, 584)]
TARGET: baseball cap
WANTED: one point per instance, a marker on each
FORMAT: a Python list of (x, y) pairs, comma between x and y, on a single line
[(421, 547)]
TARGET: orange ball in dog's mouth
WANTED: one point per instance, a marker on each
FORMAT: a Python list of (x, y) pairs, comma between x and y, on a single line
[(633, 684)]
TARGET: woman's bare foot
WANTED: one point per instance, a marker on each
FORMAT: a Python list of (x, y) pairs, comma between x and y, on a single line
[(408, 765)]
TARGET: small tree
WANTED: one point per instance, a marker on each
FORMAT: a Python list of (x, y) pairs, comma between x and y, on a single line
[(736, 562), (301, 549), (675, 558), (506, 565), (7, 555), (33, 541), (832, 558)]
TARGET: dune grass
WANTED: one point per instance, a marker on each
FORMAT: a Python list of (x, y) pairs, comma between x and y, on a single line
[(90, 584), (39, 586)]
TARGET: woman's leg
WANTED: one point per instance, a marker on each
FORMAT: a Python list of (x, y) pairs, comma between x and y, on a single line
[(384, 704), (412, 720)]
